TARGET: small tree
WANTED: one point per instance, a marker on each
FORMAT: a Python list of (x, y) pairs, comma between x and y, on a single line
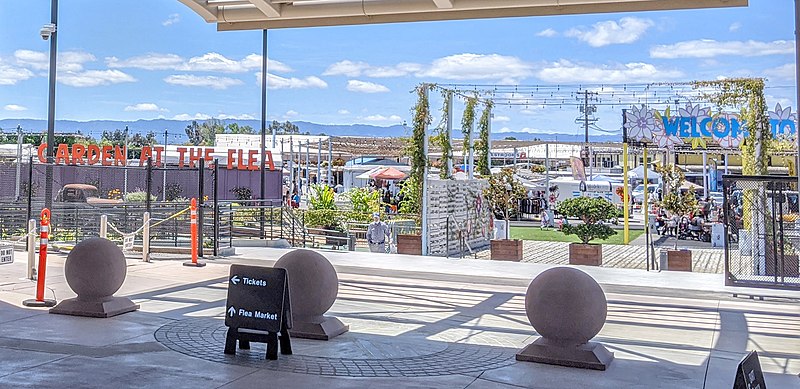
[(504, 193), (592, 212), (675, 201)]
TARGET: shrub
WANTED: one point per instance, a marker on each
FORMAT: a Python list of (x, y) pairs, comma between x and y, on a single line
[(592, 212), (139, 196), (321, 197), (504, 193), (173, 191), (364, 200), (242, 193)]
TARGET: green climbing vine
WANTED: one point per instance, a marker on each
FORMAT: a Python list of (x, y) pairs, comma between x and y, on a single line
[(482, 143), (748, 95), (467, 125), (443, 139), (416, 147)]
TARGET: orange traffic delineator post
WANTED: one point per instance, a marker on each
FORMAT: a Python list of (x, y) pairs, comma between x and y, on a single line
[(193, 229), (40, 301)]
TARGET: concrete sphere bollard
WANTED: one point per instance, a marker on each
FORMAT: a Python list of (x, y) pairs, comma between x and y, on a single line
[(95, 269), (313, 283), (566, 305), (313, 286)]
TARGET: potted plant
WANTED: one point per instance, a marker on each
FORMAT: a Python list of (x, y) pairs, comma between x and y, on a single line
[(592, 212), (503, 195), (677, 203)]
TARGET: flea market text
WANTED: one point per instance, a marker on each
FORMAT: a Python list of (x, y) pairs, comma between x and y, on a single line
[(78, 154)]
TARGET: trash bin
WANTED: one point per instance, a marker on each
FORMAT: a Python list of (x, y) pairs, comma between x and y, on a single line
[(351, 242)]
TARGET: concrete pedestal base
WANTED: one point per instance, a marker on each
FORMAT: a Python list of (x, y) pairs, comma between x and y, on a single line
[(194, 264), (112, 307), (585, 356), (39, 303), (326, 328)]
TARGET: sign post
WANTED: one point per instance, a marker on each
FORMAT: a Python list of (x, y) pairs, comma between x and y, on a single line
[(258, 309), (40, 301)]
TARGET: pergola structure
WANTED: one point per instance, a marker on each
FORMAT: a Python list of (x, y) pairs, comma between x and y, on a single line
[(272, 14)]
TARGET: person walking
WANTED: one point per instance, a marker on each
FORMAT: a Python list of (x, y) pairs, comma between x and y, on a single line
[(377, 233)]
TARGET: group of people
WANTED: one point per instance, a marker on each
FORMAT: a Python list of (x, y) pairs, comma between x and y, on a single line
[(693, 224), (390, 196)]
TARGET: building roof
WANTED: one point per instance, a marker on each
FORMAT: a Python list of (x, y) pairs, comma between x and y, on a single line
[(272, 14)]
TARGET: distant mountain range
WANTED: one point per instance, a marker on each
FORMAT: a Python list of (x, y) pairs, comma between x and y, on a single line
[(177, 134)]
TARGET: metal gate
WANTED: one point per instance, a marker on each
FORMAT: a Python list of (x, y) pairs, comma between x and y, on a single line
[(762, 231)]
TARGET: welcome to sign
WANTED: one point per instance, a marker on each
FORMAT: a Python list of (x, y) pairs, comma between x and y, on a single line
[(697, 126)]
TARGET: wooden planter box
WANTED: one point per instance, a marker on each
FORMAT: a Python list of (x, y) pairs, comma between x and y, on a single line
[(585, 254), (678, 260), (507, 250), (409, 244)]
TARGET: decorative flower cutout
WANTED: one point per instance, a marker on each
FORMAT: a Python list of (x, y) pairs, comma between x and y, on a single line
[(640, 123)]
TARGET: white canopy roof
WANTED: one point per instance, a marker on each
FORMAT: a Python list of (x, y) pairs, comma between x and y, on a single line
[(639, 173), (271, 14)]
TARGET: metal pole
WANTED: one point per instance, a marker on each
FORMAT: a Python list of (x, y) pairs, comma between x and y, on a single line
[(103, 226), (164, 166), (645, 212), (319, 160), (216, 207), (514, 158), (30, 188), (149, 183), (705, 174), (200, 205), (471, 156), (31, 249), (19, 162), (291, 165), (797, 86), (449, 134), (263, 146), (626, 210), (424, 215), (308, 163), (125, 180), (51, 108), (330, 162)]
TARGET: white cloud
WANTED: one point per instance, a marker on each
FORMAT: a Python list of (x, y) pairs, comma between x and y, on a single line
[(356, 69), (365, 87), (784, 72), (145, 107), (278, 82), (478, 67), (12, 75), (707, 48), (609, 32), (381, 118), (213, 82), (291, 113), (547, 33), (15, 107), (346, 68), (92, 78), (152, 61), (500, 118), (209, 62), (243, 116), (197, 116), (172, 19), (343, 112), (734, 27), (69, 61), (565, 71)]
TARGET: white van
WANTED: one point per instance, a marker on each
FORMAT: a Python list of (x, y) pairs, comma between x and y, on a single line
[(569, 188)]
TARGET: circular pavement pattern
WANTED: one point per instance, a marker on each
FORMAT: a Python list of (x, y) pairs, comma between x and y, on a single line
[(367, 355)]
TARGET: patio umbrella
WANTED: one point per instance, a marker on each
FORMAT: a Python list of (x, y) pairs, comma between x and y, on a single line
[(389, 173)]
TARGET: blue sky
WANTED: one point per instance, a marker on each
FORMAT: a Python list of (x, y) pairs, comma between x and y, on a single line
[(128, 60)]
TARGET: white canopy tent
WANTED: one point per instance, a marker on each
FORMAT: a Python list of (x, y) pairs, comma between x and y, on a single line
[(639, 173)]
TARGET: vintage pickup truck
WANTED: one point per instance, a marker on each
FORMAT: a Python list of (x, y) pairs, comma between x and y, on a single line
[(82, 193)]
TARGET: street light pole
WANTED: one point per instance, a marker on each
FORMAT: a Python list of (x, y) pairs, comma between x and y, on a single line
[(51, 106), (797, 85)]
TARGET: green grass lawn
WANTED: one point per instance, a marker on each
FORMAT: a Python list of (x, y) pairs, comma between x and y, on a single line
[(553, 235)]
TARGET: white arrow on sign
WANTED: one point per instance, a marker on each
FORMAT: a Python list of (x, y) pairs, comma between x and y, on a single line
[(235, 280), (232, 311)]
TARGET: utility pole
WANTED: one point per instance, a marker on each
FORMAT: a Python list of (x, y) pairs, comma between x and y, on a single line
[(587, 111)]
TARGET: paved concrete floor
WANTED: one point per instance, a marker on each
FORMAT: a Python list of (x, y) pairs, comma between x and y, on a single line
[(667, 330)]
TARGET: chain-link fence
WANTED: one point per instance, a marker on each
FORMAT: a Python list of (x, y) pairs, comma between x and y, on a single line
[(762, 231)]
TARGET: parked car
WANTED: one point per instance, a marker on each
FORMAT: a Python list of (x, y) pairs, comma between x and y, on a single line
[(82, 193)]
